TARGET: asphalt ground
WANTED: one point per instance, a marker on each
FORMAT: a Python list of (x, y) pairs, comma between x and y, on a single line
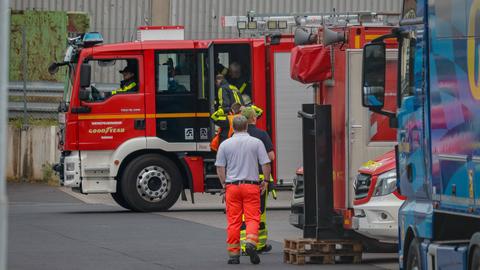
[(52, 228)]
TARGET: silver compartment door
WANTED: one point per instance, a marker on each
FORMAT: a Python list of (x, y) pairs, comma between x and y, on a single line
[(359, 148), (289, 97)]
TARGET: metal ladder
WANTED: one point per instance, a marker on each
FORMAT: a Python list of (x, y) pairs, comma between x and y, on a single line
[(212, 182)]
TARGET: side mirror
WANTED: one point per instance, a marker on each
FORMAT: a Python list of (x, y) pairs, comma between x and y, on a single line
[(84, 95), (53, 68), (85, 75), (373, 76)]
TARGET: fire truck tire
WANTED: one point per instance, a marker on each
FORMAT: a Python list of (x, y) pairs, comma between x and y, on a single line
[(151, 183), (475, 259), (413, 257), (120, 200)]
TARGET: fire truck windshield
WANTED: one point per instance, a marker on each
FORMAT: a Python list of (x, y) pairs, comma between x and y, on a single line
[(68, 86)]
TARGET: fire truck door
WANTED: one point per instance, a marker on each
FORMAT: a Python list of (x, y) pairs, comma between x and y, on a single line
[(368, 134), (112, 109), (182, 98)]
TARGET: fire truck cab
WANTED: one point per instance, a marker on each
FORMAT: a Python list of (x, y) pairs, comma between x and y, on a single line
[(146, 145)]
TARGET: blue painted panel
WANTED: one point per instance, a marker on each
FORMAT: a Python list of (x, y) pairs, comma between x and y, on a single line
[(455, 101), (451, 170), (451, 258)]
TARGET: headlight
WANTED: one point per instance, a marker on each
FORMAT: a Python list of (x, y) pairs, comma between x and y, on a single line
[(386, 183), (70, 166)]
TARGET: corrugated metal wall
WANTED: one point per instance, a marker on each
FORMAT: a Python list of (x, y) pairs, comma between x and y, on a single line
[(201, 18), (117, 20)]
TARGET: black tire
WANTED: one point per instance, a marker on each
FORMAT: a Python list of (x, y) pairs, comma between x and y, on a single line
[(413, 257), (118, 198), (139, 187), (475, 259)]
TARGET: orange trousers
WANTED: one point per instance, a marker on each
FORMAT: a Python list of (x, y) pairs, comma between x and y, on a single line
[(243, 199)]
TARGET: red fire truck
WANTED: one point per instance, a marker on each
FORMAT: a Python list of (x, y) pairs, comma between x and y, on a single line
[(147, 147), (357, 135)]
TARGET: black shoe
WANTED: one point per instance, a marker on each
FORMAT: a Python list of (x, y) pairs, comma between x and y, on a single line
[(252, 252), (234, 260), (266, 248)]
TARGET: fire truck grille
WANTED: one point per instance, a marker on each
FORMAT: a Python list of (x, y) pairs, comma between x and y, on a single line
[(298, 187), (362, 185)]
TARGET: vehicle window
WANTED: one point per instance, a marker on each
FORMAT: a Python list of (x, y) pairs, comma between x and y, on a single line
[(233, 61), (176, 72), (112, 77), (222, 61)]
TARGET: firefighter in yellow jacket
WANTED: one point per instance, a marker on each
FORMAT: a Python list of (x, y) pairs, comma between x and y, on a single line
[(224, 122), (128, 84)]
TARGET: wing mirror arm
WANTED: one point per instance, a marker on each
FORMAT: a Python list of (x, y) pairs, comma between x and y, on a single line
[(396, 33), (392, 117)]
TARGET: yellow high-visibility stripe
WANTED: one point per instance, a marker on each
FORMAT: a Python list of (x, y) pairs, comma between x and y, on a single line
[(203, 74), (142, 116), (181, 115), (110, 116), (237, 98), (357, 41), (220, 98), (124, 89), (372, 37), (242, 88)]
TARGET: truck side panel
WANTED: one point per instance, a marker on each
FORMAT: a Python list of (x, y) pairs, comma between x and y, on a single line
[(455, 103)]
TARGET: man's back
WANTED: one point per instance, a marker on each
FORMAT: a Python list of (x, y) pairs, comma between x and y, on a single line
[(241, 155), (262, 135)]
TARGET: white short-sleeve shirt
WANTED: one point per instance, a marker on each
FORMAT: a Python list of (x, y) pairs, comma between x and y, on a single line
[(241, 155)]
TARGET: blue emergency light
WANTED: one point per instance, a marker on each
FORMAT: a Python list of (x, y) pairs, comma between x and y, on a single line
[(91, 38)]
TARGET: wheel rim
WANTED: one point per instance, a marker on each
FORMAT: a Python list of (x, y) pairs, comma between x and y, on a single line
[(153, 183)]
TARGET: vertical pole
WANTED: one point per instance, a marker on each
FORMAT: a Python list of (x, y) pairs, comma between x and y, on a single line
[(4, 47), (309, 171), (24, 77), (326, 227), (321, 222)]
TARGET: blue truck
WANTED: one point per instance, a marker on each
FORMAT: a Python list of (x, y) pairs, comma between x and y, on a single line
[(438, 130)]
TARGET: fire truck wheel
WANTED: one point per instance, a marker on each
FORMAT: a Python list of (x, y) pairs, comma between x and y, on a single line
[(120, 200), (413, 257), (476, 259), (151, 183)]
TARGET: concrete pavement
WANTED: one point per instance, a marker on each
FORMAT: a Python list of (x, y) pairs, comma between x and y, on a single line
[(51, 229)]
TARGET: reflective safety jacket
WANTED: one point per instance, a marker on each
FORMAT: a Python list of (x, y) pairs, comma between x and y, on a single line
[(241, 84), (225, 131), (126, 86), (228, 95)]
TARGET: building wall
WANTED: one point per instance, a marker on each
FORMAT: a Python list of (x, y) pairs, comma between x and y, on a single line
[(31, 152), (202, 18), (118, 20)]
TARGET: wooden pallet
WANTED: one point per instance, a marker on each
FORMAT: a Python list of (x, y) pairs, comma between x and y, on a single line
[(301, 251), (300, 259)]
